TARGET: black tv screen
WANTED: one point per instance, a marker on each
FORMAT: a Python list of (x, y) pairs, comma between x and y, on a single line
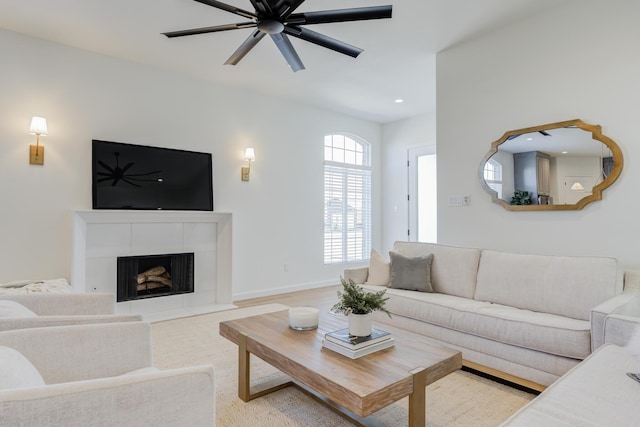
[(127, 176)]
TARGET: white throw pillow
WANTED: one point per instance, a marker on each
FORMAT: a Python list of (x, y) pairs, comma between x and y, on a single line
[(13, 309), (379, 270), (633, 346), (16, 371)]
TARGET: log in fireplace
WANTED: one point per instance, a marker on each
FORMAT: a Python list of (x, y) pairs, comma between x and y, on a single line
[(149, 276)]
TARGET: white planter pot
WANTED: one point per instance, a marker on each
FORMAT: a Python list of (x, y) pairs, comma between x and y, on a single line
[(360, 325)]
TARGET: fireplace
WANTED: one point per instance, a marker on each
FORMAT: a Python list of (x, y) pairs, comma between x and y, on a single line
[(101, 236), (150, 276)]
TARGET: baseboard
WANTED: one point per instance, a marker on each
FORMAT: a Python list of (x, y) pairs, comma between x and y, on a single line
[(284, 290), (504, 376)]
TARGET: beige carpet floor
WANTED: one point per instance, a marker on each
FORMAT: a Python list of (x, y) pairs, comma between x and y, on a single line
[(460, 399)]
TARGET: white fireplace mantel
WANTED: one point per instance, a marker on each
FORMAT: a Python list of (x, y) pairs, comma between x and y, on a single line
[(101, 236)]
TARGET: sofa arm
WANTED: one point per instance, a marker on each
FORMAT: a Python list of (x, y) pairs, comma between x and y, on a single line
[(358, 275), (627, 303), (52, 304), (618, 329), (83, 352), (172, 398), (632, 280), (12, 323)]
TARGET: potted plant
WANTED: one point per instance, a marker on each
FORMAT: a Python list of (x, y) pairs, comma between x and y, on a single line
[(358, 304), (521, 198)]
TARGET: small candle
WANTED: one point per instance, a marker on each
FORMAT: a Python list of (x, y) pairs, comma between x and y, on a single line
[(303, 318)]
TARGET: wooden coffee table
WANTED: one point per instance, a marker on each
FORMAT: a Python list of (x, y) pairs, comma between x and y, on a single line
[(356, 388)]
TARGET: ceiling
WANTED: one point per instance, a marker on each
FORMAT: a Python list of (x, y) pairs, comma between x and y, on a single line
[(558, 142), (398, 59)]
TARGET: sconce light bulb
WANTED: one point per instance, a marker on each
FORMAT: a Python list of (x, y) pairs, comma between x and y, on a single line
[(250, 154)]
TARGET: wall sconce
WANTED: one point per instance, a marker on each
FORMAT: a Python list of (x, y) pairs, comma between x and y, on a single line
[(36, 153), (249, 156)]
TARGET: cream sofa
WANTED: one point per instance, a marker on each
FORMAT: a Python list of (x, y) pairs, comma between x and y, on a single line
[(525, 318), (97, 375)]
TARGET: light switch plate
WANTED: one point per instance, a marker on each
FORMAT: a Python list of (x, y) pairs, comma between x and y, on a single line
[(455, 201)]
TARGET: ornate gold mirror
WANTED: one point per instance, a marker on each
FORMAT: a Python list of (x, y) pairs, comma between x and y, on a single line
[(559, 166)]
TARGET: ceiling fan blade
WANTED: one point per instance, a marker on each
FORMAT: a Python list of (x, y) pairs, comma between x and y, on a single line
[(322, 40), (245, 47), (262, 7), (214, 29), (126, 168), (228, 8), (340, 15), (284, 8), (287, 50), (106, 166)]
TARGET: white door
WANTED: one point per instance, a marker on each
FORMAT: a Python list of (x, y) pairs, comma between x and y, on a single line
[(423, 208)]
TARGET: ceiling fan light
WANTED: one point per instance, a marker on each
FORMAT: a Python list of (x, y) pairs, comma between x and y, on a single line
[(270, 26)]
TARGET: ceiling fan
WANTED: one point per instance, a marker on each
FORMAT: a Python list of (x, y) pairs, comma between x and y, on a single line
[(277, 18), (542, 132)]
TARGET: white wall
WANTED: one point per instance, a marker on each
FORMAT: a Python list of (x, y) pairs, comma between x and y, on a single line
[(399, 137), (574, 62), (277, 216)]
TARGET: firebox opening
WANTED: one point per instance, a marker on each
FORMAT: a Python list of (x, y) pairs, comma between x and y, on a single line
[(151, 276)]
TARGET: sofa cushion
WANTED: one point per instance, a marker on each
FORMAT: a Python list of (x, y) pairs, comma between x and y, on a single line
[(10, 308), (453, 270), (16, 371), (413, 274), (543, 332), (562, 285), (379, 269)]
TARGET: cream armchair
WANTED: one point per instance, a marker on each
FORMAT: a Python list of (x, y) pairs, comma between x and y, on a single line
[(98, 375), (18, 311)]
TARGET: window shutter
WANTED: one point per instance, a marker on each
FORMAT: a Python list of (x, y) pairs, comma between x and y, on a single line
[(347, 203)]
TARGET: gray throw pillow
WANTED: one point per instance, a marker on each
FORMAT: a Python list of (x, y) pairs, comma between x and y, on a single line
[(413, 274)]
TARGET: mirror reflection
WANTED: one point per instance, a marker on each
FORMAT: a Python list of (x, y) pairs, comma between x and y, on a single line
[(557, 166)]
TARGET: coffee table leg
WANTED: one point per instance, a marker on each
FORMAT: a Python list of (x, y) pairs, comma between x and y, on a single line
[(417, 410), (244, 373), (245, 391)]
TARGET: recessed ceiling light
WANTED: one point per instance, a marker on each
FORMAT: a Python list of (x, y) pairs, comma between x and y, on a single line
[(565, 152), (398, 100)]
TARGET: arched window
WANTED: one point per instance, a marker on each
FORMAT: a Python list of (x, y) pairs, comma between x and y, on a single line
[(347, 199), (493, 176)]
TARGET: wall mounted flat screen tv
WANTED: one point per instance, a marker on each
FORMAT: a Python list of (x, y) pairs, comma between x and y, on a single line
[(127, 176)]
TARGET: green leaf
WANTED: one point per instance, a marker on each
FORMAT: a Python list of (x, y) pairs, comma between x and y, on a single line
[(355, 299)]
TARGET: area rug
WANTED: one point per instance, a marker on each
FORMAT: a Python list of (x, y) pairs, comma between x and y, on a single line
[(460, 399)]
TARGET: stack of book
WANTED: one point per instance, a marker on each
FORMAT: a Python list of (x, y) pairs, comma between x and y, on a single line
[(354, 347)]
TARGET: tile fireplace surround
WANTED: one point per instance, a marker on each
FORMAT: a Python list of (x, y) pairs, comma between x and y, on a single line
[(100, 236)]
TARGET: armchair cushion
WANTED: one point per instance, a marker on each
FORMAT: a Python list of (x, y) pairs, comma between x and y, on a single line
[(14, 309), (16, 371)]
